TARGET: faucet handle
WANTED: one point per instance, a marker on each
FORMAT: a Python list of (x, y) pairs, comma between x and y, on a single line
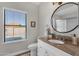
[(74, 35)]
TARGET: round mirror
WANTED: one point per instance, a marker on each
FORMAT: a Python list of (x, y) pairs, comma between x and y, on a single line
[(65, 18)]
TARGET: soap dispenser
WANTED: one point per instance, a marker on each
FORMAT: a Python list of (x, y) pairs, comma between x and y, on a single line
[(74, 40)]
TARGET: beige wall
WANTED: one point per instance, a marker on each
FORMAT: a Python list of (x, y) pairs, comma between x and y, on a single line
[(32, 11)]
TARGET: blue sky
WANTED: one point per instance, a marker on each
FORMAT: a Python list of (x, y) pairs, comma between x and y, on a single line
[(13, 16)]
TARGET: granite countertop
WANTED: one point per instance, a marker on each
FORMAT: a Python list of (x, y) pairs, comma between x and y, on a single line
[(67, 47)]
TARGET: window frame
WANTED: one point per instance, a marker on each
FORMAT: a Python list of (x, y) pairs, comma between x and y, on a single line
[(26, 25)]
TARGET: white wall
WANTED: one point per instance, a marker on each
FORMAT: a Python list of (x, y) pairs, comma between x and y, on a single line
[(45, 12), (44, 17), (32, 11)]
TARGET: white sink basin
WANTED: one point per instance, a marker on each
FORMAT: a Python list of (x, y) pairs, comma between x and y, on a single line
[(56, 41)]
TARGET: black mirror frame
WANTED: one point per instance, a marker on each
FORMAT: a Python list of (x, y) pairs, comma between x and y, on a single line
[(54, 13)]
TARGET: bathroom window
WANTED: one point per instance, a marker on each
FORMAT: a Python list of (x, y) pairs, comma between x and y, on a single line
[(61, 25), (15, 25)]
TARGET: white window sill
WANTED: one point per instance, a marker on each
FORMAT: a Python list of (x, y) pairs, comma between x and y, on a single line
[(11, 42)]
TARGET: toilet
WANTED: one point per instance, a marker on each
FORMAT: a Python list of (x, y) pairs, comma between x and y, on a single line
[(33, 49)]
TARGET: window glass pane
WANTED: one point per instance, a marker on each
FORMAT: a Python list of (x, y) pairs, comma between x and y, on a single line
[(15, 25), (61, 25)]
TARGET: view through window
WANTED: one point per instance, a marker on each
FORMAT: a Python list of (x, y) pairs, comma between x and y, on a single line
[(15, 25)]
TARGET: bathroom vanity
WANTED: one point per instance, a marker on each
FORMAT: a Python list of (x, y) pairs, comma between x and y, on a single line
[(63, 20), (46, 48)]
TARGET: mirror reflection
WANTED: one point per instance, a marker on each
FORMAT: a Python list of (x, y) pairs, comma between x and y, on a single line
[(65, 17)]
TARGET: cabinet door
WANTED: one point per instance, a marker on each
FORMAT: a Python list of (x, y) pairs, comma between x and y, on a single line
[(41, 51), (50, 52), (45, 49)]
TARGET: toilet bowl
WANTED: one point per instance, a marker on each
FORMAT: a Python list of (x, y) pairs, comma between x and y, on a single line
[(33, 49)]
